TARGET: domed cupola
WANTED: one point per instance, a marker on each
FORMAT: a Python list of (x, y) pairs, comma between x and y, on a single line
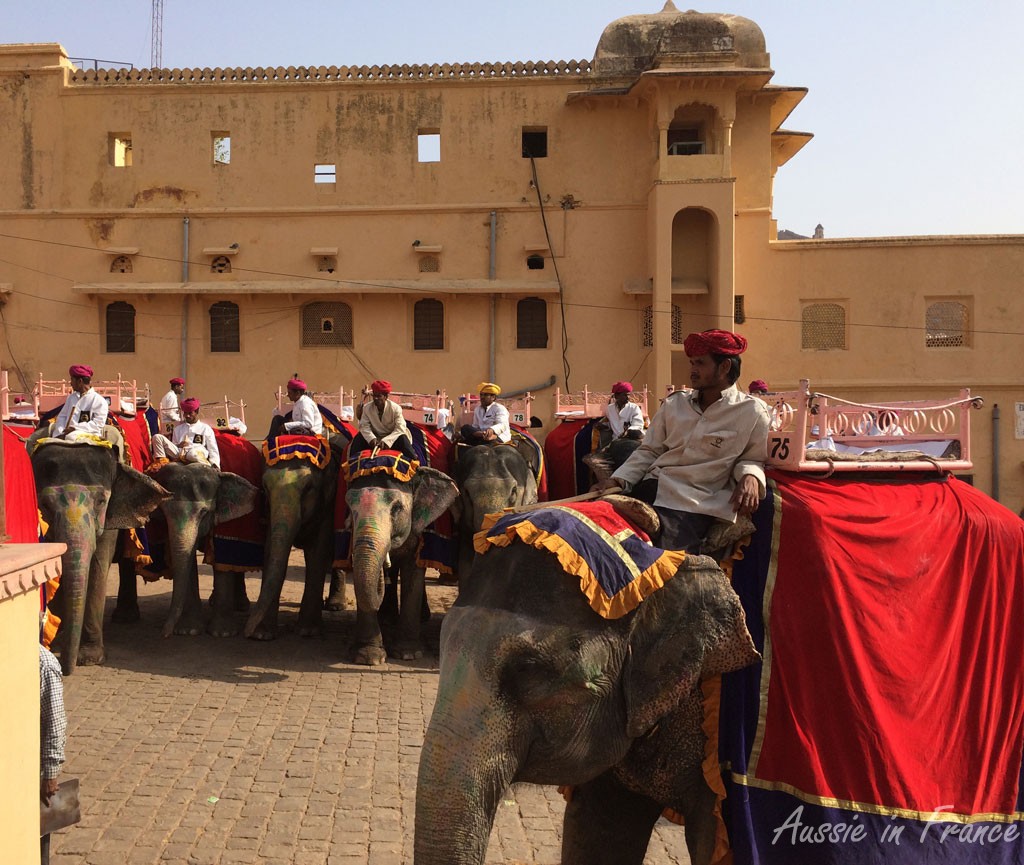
[(687, 41)]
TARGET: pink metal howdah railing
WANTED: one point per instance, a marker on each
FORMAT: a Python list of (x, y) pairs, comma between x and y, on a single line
[(225, 414), (592, 403), (428, 409), (123, 394), (818, 432), (518, 408)]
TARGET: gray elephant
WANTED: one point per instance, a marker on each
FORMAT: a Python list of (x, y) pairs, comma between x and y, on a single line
[(490, 479), (388, 518), (536, 687), (85, 495), (203, 496), (300, 498)]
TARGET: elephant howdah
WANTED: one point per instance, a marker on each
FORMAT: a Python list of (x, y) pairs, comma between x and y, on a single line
[(537, 687)]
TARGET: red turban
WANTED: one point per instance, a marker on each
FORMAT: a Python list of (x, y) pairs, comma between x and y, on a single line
[(381, 386), (81, 370), (296, 384), (758, 385), (190, 404), (622, 387), (175, 381), (714, 342)]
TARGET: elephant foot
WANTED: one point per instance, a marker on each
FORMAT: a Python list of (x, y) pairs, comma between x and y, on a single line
[(408, 651), (335, 602), (370, 656), (310, 631), (125, 614), (222, 626), (89, 656), (262, 628)]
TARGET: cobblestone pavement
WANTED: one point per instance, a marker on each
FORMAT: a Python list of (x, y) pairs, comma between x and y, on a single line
[(221, 751)]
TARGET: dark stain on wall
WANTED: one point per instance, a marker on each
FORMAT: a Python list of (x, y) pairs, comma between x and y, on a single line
[(173, 193)]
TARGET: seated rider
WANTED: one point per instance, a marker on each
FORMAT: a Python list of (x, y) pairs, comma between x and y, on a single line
[(490, 419), (85, 411), (170, 405), (703, 456), (192, 441), (382, 424), (306, 419), (625, 418)]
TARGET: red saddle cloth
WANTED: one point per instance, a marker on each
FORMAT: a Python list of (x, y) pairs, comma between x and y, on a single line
[(237, 545)]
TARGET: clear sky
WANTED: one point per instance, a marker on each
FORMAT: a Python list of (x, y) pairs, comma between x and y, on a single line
[(917, 107)]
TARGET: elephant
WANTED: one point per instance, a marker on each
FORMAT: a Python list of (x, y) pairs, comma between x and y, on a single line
[(388, 519), (536, 687), (203, 497), (85, 495), (300, 500), (605, 461), (490, 478)]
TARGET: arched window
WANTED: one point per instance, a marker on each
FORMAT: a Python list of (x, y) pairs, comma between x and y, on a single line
[(120, 327), (532, 323), (677, 326), (224, 326), (535, 262), (220, 264), (428, 324), (326, 324), (946, 325), (823, 327), (121, 264)]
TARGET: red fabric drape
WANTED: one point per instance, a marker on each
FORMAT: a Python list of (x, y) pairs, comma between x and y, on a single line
[(19, 491)]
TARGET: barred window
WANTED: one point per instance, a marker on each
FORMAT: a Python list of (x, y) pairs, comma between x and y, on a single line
[(739, 309), (220, 264), (677, 326), (120, 327), (428, 325), (823, 327), (224, 326), (532, 323), (430, 264), (946, 324), (326, 324)]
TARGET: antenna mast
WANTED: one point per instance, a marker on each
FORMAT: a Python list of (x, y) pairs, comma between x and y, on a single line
[(156, 54)]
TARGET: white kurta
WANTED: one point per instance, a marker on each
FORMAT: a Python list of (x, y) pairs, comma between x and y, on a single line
[(82, 413), (305, 418), (629, 417), (494, 417), (170, 408), (699, 457), (384, 427), (190, 442)]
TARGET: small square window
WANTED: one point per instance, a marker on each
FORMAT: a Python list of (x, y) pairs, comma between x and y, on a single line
[(120, 149), (428, 143), (535, 142), (325, 175), (221, 148)]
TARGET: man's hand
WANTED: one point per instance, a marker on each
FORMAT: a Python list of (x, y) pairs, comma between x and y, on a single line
[(47, 788), (746, 496), (606, 484)]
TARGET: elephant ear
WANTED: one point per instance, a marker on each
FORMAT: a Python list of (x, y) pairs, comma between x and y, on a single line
[(691, 629), (133, 497), (433, 493), (236, 497)]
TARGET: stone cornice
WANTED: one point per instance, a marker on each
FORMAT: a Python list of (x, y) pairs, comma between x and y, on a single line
[(910, 240), (24, 567)]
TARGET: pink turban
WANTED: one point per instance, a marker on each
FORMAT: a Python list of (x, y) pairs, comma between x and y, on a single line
[(81, 370), (296, 384), (714, 342), (758, 385), (175, 381), (381, 386), (190, 404), (622, 387)]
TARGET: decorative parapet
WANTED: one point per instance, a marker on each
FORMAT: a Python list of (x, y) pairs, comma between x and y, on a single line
[(308, 74), (24, 567)]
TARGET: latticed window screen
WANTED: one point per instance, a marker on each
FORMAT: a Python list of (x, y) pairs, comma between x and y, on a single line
[(823, 326), (121, 264), (946, 325), (430, 264), (326, 324), (677, 326), (531, 323), (428, 325), (739, 309), (220, 264), (224, 326), (120, 327)]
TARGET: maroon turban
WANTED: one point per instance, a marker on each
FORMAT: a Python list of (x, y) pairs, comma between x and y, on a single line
[(622, 387), (81, 370), (175, 381), (296, 384), (758, 385), (714, 342), (381, 386), (190, 404)]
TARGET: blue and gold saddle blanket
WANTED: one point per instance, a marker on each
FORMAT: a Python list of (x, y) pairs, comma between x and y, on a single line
[(391, 463)]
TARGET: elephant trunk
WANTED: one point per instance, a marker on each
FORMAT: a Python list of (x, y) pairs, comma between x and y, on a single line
[(284, 497), (182, 552), (370, 547)]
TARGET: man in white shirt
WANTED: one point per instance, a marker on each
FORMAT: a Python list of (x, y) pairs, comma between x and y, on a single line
[(625, 418), (306, 420), (382, 424), (192, 440), (490, 419), (84, 412), (703, 456), (170, 405)]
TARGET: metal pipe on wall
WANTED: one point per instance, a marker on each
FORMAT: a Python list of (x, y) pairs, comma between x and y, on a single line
[(492, 271), (184, 300), (995, 451)]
